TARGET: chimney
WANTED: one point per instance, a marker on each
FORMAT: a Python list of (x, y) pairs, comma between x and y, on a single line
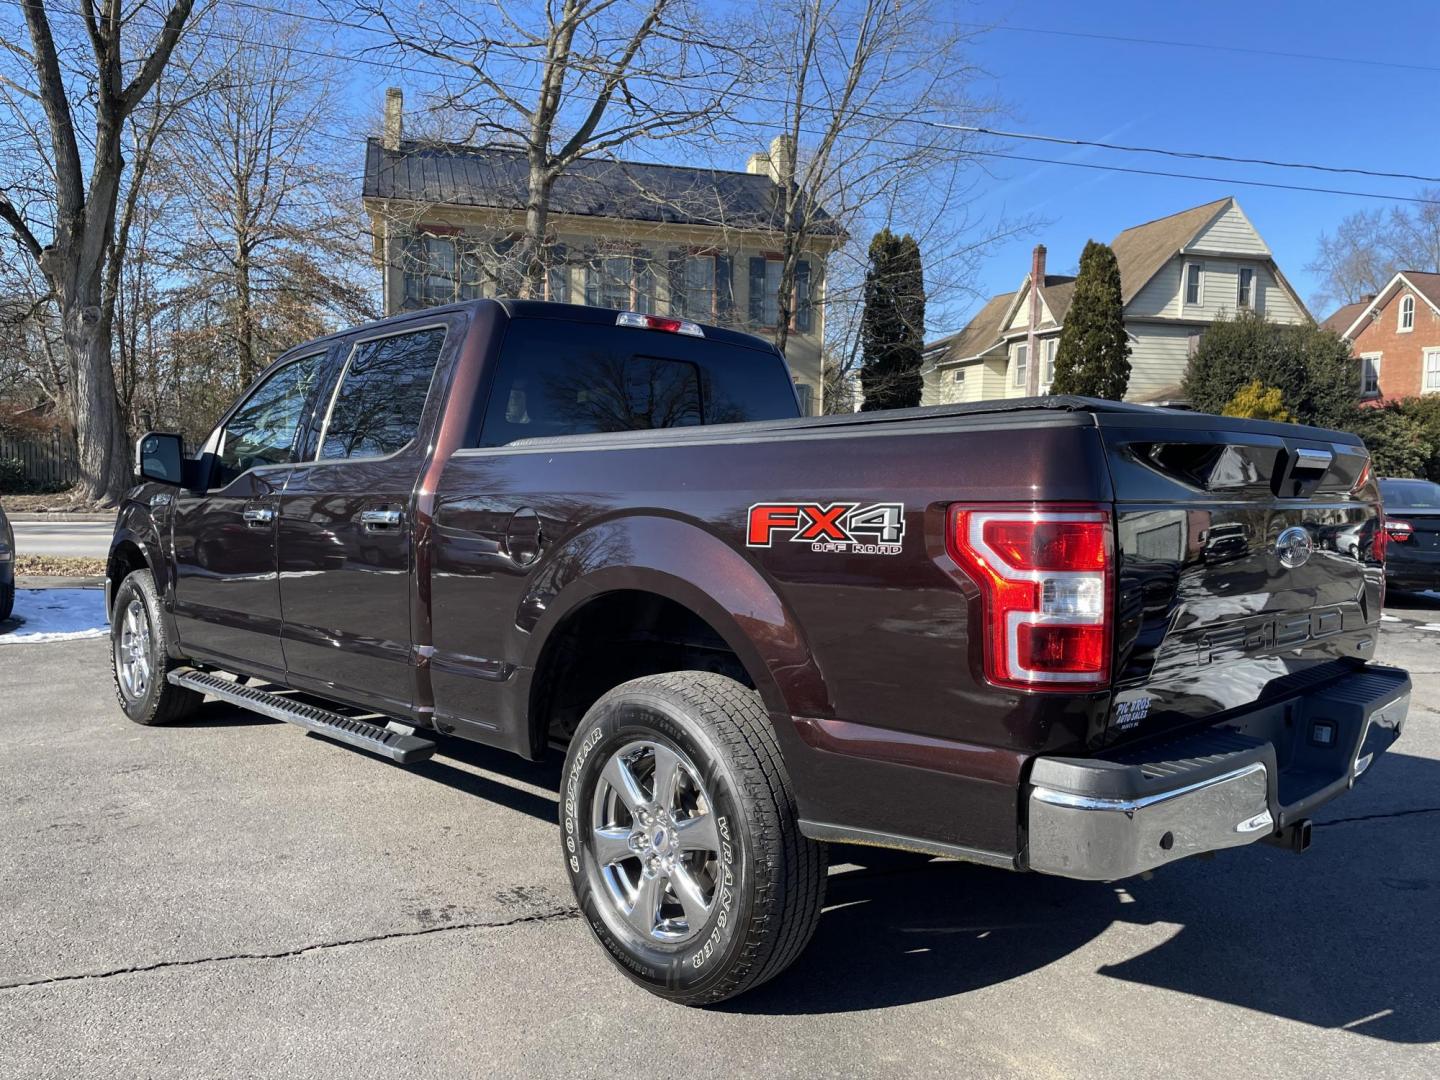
[(394, 118), (777, 163), (1368, 297), (782, 158), (1037, 266)]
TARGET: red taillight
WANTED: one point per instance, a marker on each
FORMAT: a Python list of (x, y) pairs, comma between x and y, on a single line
[(1399, 532), (1046, 582), (639, 321)]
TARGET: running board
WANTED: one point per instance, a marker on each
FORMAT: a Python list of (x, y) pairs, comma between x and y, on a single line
[(400, 748)]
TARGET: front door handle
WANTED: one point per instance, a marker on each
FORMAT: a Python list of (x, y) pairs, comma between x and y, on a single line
[(262, 516), (380, 519)]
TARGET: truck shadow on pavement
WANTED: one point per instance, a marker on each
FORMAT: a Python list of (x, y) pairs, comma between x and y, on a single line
[(1341, 937)]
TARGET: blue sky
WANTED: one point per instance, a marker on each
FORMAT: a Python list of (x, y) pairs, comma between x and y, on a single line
[(1324, 112)]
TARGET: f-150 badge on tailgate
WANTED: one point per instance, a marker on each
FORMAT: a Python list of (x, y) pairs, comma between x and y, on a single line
[(848, 527)]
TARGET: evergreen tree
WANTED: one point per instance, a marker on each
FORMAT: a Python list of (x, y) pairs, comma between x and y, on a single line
[(892, 329), (1318, 380), (1093, 359)]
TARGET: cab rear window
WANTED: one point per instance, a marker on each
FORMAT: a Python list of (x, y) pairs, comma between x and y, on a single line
[(565, 378)]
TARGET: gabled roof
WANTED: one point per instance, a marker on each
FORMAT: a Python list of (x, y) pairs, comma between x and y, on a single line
[(982, 333), (1342, 319), (1421, 282), (497, 177), (1142, 250)]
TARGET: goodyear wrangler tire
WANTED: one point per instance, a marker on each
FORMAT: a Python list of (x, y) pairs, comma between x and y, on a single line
[(680, 838)]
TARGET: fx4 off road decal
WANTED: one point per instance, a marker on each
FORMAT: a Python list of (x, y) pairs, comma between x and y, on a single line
[(878, 529)]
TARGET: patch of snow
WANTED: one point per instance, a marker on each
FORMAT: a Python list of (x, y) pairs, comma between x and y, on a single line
[(1430, 626), (1390, 618), (57, 615)]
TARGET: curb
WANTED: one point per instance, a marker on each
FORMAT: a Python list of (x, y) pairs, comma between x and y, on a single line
[(58, 516), (54, 581)]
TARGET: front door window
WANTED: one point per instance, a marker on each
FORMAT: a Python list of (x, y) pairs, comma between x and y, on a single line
[(262, 430)]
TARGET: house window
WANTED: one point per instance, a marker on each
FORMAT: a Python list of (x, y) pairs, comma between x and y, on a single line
[(1370, 375), (1432, 372), (1407, 314), (1192, 343), (1245, 288), (698, 300), (1022, 354), (429, 265), (1047, 370), (805, 393), (958, 376), (770, 304), (608, 281), (1193, 281)]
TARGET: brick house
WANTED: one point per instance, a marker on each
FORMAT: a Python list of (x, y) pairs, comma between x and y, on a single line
[(663, 239), (1178, 274), (1395, 336)]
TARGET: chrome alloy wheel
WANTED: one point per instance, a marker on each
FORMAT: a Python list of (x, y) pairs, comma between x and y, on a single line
[(655, 840), (132, 651)]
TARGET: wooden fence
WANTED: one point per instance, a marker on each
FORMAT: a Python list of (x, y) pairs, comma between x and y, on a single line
[(48, 460)]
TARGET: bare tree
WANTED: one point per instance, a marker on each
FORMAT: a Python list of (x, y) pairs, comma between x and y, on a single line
[(1367, 247), (259, 218), (567, 79), (874, 94), (66, 219)]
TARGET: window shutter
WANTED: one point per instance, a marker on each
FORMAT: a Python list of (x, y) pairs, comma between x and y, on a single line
[(802, 296), (757, 290), (592, 279), (558, 274), (644, 282), (724, 288), (675, 275)]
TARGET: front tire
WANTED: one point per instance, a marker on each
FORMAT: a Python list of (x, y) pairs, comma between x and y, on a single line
[(140, 656), (681, 838)]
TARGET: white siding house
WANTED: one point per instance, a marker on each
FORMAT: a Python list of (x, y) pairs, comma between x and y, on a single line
[(1177, 275)]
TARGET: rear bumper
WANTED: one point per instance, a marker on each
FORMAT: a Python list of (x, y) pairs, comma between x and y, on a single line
[(1258, 774)]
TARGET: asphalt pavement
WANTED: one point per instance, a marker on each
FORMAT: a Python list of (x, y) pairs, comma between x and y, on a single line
[(232, 897), (84, 538)]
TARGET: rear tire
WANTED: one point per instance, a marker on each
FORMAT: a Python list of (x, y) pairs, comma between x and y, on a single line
[(140, 656), (681, 838)]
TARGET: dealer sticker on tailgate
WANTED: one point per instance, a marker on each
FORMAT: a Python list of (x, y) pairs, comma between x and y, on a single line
[(846, 527)]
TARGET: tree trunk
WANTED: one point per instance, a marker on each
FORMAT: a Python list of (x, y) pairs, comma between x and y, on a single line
[(104, 456), (537, 216)]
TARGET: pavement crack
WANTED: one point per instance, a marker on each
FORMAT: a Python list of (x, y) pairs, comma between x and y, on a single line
[(1378, 817), (553, 915)]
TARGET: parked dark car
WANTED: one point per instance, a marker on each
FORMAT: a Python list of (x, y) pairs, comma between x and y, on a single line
[(7, 566), (989, 632), (1412, 533)]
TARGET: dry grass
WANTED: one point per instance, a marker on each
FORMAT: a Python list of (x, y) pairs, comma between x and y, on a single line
[(60, 502), (59, 565)]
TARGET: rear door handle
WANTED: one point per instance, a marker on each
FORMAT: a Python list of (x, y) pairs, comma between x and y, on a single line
[(380, 519), (262, 516)]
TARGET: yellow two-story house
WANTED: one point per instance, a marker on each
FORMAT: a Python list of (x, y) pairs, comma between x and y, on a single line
[(678, 240)]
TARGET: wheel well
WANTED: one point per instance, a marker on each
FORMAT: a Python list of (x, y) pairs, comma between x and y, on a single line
[(124, 561), (612, 639)]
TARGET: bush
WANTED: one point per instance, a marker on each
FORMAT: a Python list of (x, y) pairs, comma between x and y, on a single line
[(1312, 368), (1425, 411), (1398, 442), (12, 477), (1256, 401)]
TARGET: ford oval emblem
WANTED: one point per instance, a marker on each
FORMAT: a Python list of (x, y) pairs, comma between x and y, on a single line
[(1294, 547)]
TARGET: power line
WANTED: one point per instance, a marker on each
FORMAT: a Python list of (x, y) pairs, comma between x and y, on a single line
[(934, 124), (1204, 46)]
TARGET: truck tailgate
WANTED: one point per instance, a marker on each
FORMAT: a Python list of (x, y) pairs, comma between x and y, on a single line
[(1246, 560)]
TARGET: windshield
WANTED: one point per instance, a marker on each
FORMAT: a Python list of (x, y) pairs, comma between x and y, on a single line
[(1410, 494)]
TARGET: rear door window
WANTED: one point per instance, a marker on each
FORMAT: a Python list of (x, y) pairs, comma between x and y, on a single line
[(376, 410), (564, 378)]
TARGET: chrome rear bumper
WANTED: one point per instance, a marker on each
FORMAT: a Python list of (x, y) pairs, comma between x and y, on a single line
[(1252, 778)]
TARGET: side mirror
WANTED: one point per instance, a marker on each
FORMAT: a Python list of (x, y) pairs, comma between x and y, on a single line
[(158, 456)]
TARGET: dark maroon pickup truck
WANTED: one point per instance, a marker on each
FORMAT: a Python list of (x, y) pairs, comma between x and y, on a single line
[(1063, 635)]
